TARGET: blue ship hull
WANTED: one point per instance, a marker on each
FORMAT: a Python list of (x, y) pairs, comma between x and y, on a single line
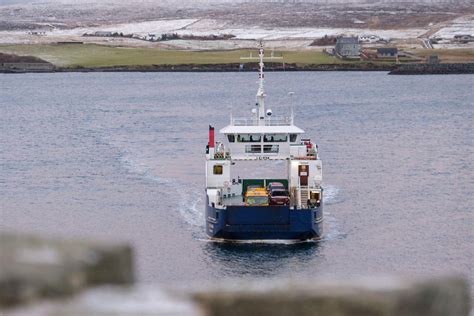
[(236, 223)]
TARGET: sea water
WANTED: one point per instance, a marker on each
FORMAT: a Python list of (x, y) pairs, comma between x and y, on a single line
[(120, 156)]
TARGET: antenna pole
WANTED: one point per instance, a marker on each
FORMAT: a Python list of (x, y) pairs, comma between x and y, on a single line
[(261, 91)]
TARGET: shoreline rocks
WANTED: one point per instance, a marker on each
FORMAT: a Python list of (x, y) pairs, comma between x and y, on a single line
[(33, 268), (403, 69), (227, 67), (433, 69)]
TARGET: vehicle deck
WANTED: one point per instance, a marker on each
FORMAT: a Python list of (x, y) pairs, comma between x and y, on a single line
[(238, 200), (234, 200)]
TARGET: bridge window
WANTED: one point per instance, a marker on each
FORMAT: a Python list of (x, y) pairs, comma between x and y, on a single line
[(253, 149), (231, 138), (249, 138), (270, 149), (293, 137), (218, 169), (275, 138)]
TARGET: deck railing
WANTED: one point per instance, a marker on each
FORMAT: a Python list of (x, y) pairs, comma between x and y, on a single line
[(270, 121)]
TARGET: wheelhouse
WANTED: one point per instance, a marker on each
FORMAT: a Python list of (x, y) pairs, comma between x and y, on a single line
[(265, 141)]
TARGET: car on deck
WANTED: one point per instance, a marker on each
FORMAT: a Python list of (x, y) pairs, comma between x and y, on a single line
[(275, 185), (279, 197), (256, 197)]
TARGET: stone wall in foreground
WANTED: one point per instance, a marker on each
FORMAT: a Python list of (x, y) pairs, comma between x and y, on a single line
[(363, 297), (32, 268), (46, 277)]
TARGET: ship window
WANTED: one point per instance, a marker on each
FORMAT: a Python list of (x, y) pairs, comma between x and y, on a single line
[(293, 137), (249, 138), (253, 149), (270, 149), (231, 138), (275, 138), (314, 195), (218, 169)]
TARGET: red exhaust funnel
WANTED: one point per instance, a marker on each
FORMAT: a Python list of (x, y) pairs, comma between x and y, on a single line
[(211, 137)]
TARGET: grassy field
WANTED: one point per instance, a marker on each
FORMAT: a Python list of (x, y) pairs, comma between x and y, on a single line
[(92, 55), (461, 55)]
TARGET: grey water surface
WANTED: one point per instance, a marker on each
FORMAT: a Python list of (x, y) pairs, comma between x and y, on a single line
[(120, 156)]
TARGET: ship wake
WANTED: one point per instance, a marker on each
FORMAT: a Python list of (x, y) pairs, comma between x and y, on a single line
[(191, 203)]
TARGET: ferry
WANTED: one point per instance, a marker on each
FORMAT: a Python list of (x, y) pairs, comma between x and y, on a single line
[(288, 208)]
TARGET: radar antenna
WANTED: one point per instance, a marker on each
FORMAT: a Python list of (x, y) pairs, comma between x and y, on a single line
[(261, 89), (261, 76)]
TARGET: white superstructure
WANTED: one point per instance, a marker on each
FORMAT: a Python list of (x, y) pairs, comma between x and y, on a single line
[(263, 136)]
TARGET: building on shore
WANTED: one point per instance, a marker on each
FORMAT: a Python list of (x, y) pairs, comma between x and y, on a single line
[(347, 47), (464, 38), (26, 67), (103, 33), (369, 38), (387, 52), (432, 59)]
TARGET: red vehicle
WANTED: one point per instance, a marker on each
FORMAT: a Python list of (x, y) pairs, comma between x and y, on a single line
[(275, 185), (279, 197)]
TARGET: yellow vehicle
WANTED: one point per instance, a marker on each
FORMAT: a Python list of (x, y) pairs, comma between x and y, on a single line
[(256, 197)]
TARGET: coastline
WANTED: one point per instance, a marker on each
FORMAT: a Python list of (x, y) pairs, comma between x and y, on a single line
[(393, 69), (231, 67), (99, 58), (433, 69), (225, 67)]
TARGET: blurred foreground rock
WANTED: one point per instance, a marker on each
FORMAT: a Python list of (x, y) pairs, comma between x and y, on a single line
[(364, 297), (32, 267)]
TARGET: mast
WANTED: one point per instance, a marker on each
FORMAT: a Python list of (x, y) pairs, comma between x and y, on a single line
[(261, 91)]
